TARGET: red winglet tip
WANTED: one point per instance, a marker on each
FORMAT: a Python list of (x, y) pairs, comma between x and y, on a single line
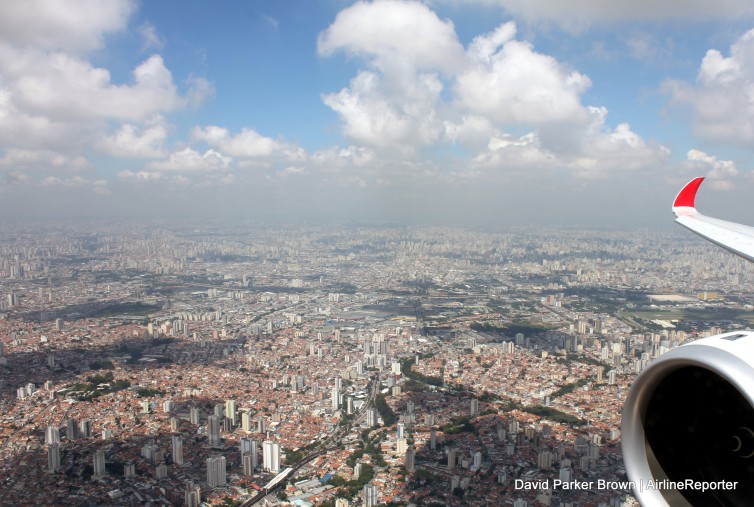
[(687, 194)]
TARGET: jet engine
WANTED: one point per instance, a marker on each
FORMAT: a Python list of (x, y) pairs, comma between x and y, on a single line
[(688, 425)]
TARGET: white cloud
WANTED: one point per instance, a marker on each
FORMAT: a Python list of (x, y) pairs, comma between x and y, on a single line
[(54, 99), (722, 98), (65, 87), (336, 159), (394, 35), (53, 25), (132, 141), (273, 22), (600, 150), (496, 86), (720, 173), (152, 40), (247, 143), (141, 176), (377, 113), (509, 82), (188, 160), (577, 15), (42, 159)]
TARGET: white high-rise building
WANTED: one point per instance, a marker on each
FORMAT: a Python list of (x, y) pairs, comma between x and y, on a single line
[(230, 411), (370, 495), (52, 435), (193, 495), (177, 450), (371, 417), (335, 398), (213, 430), (246, 422), (271, 456), (216, 471)]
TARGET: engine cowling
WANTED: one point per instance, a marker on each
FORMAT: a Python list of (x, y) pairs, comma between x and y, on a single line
[(688, 425)]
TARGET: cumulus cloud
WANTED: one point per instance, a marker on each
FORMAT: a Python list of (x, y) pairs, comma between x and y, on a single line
[(335, 159), (246, 144), (394, 34), (600, 150), (133, 141), (577, 15), (722, 99), (511, 83), (373, 114), (188, 160), (72, 26), (497, 85), (719, 173), (42, 159), (60, 86)]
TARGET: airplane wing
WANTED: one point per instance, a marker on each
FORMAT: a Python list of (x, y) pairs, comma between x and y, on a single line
[(736, 238)]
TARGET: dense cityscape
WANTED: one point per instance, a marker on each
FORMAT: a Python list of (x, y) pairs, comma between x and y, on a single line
[(181, 363)]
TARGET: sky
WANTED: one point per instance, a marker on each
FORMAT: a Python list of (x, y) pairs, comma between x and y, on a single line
[(476, 112)]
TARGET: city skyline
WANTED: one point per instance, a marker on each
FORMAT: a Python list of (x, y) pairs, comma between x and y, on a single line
[(435, 112)]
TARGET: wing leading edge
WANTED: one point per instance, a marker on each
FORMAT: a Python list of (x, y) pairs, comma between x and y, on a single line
[(736, 238)]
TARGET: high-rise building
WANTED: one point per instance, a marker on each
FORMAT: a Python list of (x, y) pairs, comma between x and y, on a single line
[(71, 429), (161, 471), (370, 495), (194, 415), (433, 439), (410, 460), (474, 407), (53, 457), (99, 463), (371, 417), (341, 502), (335, 398), (261, 425), (402, 445), (213, 430), (177, 450), (247, 461), (230, 411), (451, 459), (251, 447), (271, 456), (52, 435), (544, 460), (85, 427), (216, 471), (246, 422), (193, 495)]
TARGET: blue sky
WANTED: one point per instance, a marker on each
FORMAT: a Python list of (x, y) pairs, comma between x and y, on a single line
[(480, 112)]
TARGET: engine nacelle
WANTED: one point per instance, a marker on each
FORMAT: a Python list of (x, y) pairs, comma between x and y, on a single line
[(690, 417)]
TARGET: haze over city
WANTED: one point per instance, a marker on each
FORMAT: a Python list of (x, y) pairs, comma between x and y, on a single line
[(442, 112)]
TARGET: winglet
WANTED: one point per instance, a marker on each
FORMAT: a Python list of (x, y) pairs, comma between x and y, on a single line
[(685, 198)]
